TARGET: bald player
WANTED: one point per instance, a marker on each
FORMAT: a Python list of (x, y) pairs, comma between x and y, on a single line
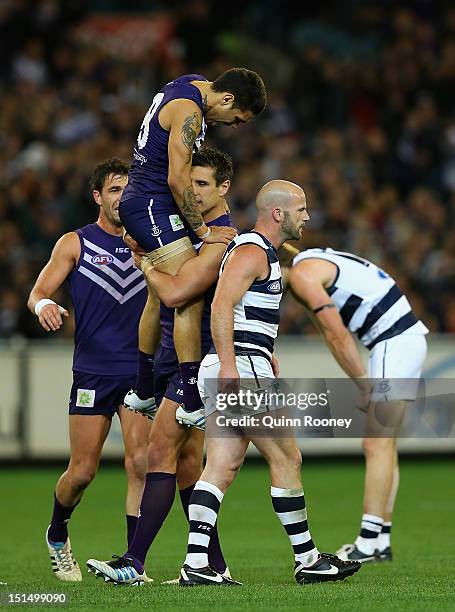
[(244, 323)]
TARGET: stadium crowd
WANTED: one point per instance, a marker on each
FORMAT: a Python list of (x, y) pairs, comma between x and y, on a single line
[(360, 114)]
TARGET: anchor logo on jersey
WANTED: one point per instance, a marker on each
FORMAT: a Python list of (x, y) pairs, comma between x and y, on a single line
[(155, 230)]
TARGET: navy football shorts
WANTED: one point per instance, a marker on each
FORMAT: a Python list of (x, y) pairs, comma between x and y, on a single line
[(152, 223), (168, 382), (97, 394)]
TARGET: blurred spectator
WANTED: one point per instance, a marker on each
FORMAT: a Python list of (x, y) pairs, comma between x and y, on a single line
[(360, 113)]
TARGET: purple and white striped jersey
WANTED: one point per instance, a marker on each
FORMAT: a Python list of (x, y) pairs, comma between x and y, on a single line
[(149, 171), (108, 295)]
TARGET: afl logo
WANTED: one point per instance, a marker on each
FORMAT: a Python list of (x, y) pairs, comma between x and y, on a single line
[(274, 287), (102, 260)]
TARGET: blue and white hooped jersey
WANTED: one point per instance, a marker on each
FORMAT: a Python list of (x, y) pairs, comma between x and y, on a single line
[(257, 315), (109, 295), (368, 299)]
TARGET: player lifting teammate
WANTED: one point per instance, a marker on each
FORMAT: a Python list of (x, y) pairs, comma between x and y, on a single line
[(169, 442)]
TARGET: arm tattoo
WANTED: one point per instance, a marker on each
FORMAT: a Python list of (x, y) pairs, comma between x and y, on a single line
[(190, 131), (190, 209)]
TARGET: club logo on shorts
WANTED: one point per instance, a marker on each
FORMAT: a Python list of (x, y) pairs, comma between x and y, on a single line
[(102, 260), (192, 380), (85, 398), (384, 386), (176, 223), (155, 230), (274, 287)]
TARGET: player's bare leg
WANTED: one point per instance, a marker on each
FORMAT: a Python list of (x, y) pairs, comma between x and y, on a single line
[(381, 482), (142, 396), (224, 459), (284, 460), (87, 436), (384, 544), (136, 433), (167, 439), (393, 490), (187, 334)]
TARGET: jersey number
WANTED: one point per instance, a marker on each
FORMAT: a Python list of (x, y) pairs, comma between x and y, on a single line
[(144, 131)]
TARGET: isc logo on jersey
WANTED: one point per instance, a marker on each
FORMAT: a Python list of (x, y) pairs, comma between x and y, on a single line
[(274, 287), (102, 260)]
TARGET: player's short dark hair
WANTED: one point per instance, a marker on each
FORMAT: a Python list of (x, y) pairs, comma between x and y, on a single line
[(246, 86), (104, 169), (209, 157)]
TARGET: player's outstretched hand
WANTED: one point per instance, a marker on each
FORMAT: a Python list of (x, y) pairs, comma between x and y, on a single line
[(220, 234), (50, 317)]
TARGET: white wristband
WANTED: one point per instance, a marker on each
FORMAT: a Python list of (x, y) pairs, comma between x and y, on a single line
[(44, 302), (207, 234)]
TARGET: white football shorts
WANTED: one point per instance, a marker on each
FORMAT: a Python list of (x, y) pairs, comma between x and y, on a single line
[(395, 366), (255, 374)]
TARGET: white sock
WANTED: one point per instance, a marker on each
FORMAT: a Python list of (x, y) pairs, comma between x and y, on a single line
[(384, 537), (370, 528)]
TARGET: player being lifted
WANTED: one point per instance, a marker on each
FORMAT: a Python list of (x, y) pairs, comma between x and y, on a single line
[(171, 444), (159, 205), (345, 294)]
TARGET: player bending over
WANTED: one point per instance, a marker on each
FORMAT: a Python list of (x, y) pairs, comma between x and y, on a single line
[(346, 295)]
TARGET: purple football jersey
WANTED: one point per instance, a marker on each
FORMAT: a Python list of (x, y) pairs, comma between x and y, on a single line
[(167, 314), (108, 294), (149, 171)]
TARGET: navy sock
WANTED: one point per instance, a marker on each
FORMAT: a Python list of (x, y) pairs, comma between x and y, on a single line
[(131, 523), (58, 530), (185, 495), (144, 376), (191, 398), (157, 499), (216, 558)]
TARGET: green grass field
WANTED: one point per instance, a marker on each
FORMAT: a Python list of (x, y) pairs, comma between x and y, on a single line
[(257, 549)]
